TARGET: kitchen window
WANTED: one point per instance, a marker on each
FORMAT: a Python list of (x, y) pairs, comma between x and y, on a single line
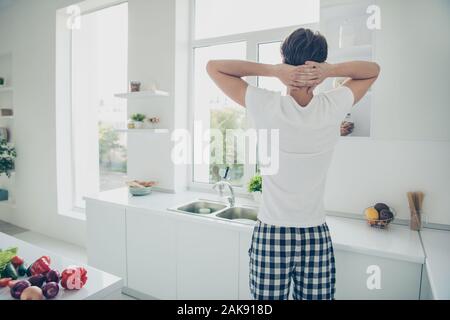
[(99, 61), (231, 29)]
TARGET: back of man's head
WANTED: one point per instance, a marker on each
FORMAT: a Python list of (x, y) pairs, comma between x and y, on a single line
[(304, 45)]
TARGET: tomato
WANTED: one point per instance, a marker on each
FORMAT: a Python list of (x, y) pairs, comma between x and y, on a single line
[(4, 282), (17, 261)]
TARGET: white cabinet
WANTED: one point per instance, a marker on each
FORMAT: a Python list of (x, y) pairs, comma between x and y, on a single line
[(207, 261), (398, 279), (170, 256), (425, 289), (245, 240), (151, 253), (106, 238)]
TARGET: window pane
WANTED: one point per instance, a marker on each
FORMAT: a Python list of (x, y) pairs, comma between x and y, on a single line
[(99, 70), (213, 110), (270, 53), (215, 18)]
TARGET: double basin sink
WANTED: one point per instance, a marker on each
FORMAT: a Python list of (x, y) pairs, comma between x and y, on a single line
[(210, 209)]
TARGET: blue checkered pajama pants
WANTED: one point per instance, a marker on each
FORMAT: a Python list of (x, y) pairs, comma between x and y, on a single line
[(303, 255)]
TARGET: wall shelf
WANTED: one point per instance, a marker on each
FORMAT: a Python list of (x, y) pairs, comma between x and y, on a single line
[(7, 204), (142, 94), (144, 131)]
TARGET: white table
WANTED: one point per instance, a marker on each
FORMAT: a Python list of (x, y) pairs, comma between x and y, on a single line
[(100, 285)]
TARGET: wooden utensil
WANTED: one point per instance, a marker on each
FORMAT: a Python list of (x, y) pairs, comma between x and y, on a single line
[(415, 200)]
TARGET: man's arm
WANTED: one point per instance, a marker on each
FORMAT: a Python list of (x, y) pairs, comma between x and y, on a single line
[(228, 74), (361, 74)]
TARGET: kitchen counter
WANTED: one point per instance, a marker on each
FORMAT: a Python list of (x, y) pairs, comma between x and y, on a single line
[(100, 284), (436, 245), (397, 242)]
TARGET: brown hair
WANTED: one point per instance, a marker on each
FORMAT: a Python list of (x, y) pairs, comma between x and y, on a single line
[(304, 45)]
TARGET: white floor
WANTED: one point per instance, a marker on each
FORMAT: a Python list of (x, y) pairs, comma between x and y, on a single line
[(62, 248), (59, 247)]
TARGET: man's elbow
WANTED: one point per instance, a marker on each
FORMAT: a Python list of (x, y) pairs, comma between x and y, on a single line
[(377, 69), (211, 67)]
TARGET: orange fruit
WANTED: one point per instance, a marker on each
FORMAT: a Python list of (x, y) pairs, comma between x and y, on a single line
[(371, 214)]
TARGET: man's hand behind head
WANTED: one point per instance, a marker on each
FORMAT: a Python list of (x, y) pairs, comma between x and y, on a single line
[(297, 77)]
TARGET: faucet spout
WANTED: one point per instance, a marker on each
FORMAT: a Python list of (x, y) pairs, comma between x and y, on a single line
[(221, 185)]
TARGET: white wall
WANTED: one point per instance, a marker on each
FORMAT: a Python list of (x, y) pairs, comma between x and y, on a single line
[(409, 149), (27, 28), (410, 145)]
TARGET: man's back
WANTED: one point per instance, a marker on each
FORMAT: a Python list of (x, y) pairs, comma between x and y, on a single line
[(293, 197)]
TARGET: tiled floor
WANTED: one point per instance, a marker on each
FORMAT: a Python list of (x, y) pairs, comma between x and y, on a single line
[(62, 248)]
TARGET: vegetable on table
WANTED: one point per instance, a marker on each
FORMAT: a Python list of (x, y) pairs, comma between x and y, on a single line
[(37, 280), (40, 266), (6, 256), (4, 282), (17, 261), (32, 293), (53, 276), (10, 272), (22, 270), (18, 288), (74, 278), (50, 290)]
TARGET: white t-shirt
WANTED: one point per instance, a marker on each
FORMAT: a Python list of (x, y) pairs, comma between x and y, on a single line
[(294, 196)]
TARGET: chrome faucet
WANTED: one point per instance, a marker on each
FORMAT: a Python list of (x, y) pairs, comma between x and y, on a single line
[(222, 184)]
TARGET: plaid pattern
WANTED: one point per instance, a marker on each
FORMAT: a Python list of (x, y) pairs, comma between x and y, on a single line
[(279, 254)]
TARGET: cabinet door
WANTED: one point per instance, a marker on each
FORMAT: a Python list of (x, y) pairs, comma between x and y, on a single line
[(425, 288), (245, 239), (106, 238), (151, 253), (398, 279), (208, 261)]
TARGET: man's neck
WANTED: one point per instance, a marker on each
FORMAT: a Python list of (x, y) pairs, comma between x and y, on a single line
[(301, 96)]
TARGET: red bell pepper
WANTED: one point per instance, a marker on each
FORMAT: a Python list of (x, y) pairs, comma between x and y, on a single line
[(74, 278), (40, 266)]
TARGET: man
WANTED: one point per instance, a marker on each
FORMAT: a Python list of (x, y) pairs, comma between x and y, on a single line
[(291, 241)]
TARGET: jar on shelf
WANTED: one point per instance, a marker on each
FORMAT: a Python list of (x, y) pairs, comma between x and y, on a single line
[(348, 126), (131, 124)]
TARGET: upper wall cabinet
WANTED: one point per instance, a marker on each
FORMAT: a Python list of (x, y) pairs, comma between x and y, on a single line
[(349, 38)]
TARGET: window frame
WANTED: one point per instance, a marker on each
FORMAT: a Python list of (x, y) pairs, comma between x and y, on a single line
[(253, 40)]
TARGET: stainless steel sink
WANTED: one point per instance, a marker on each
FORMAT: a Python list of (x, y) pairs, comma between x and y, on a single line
[(197, 206), (218, 210), (239, 214)]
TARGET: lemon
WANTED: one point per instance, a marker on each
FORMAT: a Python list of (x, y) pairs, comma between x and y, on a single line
[(372, 214)]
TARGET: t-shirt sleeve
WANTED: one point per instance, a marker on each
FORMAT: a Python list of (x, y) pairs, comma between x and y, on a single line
[(341, 101), (260, 103)]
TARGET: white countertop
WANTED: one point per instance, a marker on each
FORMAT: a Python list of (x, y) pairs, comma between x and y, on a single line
[(99, 285), (396, 242), (437, 250)]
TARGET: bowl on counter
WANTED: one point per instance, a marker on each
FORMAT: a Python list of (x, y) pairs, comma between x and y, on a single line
[(140, 192), (380, 215)]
